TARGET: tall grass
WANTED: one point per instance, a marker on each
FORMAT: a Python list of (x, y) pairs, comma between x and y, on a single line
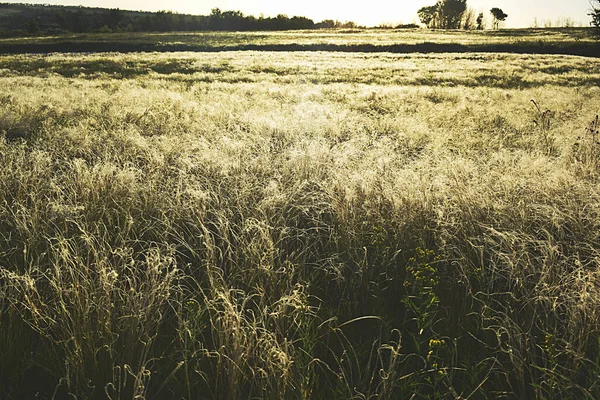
[(285, 236)]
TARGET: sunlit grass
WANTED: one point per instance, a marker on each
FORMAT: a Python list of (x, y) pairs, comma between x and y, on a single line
[(250, 225), (575, 41), (337, 36), (476, 70)]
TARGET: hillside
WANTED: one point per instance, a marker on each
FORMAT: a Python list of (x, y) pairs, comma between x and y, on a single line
[(20, 19), (51, 17)]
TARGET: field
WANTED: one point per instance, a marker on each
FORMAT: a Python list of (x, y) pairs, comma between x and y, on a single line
[(571, 41), (299, 225)]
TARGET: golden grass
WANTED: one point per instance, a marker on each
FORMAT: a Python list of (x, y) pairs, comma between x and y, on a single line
[(333, 36), (239, 225)]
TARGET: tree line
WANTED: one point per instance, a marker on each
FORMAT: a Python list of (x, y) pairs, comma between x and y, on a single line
[(454, 14), (57, 19), (34, 19)]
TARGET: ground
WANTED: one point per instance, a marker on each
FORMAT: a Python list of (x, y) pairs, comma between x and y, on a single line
[(253, 224)]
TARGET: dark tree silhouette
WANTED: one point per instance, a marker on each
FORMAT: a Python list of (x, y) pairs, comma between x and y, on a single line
[(445, 14), (480, 22), (451, 13), (595, 14), (428, 15), (498, 16), (325, 24), (113, 18)]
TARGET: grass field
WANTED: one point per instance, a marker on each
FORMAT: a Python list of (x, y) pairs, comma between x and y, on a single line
[(299, 225), (331, 36), (573, 41)]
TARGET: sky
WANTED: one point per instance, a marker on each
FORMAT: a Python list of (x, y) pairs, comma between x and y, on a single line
[(521, 13)]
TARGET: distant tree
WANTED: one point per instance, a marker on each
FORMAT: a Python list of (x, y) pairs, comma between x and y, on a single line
[(60, 19), (412, 25), (498, 16), (445, 14), (232, 20), (480, 22), (325, 24), (281, 22), (113, 18), (79, 21), (595, 14), (469, 19), (565, 22), (165, 21), (250, 22), (428, 15), (32, 26), (348, 25), (215, 19), (300, 23), (451, 13)]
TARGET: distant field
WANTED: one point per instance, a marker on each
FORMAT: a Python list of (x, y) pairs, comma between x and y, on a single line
[(300, 225), (575, 41), (505, 71)]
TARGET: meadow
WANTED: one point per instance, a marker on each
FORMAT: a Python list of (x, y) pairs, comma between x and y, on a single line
[(299, 225), (570, 41)]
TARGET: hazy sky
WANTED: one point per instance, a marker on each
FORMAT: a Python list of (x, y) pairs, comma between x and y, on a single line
[(521, 13)]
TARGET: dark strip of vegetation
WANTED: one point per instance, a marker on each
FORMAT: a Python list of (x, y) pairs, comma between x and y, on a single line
[(589, 49)]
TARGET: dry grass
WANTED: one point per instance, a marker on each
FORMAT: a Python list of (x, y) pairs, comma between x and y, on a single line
[(330, 36), (247, 225), (571, 41)]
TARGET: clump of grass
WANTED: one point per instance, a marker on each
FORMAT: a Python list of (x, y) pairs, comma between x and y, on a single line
[(586, 150), (542, 122)]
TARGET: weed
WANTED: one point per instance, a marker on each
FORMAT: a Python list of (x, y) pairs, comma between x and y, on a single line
[(542, 122), (586, 151)]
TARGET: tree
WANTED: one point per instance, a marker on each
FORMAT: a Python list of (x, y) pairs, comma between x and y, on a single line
[(468, 19), (595, 14), (428, 15), (61, 21), (79, 21), (325, 24), (114, 17), (32, 26), (498, 16), (451, 12), (445, 14), (480, 22)]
